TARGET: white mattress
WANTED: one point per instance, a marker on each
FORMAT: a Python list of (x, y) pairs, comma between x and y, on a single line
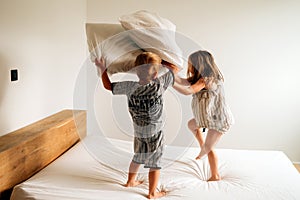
[(265, 175)]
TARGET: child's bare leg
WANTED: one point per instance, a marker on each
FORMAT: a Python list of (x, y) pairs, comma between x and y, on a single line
[(133, 169), (212, 138), (196, 131), (213, 163), (212, 156), (212, 159), (153, 176)]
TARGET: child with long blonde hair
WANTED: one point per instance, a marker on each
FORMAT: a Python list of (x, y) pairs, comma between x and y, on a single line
[(205, 82)]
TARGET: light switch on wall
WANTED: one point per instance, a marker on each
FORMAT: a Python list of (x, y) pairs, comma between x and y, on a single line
[(13, 75)]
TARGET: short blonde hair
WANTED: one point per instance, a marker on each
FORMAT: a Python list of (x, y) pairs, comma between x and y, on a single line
[(147, 58), (145, 61)]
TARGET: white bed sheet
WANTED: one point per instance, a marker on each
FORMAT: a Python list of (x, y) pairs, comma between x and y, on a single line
[(246, 174)]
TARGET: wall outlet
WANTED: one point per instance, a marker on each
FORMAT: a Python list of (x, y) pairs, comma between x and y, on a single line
[(13, 75)]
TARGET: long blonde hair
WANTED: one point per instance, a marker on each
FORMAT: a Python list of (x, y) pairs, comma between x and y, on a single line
[(201, 64)]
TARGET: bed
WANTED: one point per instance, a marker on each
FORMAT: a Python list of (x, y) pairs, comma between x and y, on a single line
[(246, 174), (79, 173)]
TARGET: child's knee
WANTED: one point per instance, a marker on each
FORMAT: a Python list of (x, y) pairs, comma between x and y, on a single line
[(206, 148), (157, 170), (192, 124)]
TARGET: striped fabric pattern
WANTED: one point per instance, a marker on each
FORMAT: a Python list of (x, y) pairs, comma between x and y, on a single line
[(210, 109), (149, 151), (145, 104)]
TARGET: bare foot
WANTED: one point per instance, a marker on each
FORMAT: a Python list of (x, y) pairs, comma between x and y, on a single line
[(200, 157), (156, 195), (133, 183), (214, 178)]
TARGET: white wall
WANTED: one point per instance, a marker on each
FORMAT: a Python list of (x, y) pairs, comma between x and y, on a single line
[(256, 45), (45, 41)]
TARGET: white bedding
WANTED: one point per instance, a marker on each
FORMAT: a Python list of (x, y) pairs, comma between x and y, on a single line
[(265, 175)]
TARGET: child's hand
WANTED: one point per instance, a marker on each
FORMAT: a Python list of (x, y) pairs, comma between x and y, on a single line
[(100, 63), (170, 66), (199, 85), (201, 81)]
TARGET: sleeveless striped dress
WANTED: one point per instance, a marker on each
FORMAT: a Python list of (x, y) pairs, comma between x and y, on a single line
[(210, 109)]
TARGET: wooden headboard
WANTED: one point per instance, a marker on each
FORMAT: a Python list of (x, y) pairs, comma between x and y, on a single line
[(26, 151)]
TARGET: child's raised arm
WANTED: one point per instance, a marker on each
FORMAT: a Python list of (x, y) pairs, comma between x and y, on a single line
[(175, 70), (170, 66), (105, 79), (189, 89), (181, 84)]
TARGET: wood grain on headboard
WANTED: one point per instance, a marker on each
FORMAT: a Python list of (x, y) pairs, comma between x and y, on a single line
[(26, 151)]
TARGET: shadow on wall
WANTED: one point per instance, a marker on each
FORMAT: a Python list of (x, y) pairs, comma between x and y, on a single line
[(4, 78)]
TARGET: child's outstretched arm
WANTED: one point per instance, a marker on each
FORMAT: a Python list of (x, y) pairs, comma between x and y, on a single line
[(105, 79), (175, 70), (189, 89), (170, 66), (181, 84)]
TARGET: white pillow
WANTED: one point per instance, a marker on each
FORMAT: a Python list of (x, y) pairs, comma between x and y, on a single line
[(153, 33), (114, 44)]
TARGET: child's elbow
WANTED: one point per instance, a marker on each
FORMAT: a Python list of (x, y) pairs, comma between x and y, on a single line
[(107, 86)]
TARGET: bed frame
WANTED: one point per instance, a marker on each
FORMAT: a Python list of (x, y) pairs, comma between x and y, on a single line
[(26, 151)]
